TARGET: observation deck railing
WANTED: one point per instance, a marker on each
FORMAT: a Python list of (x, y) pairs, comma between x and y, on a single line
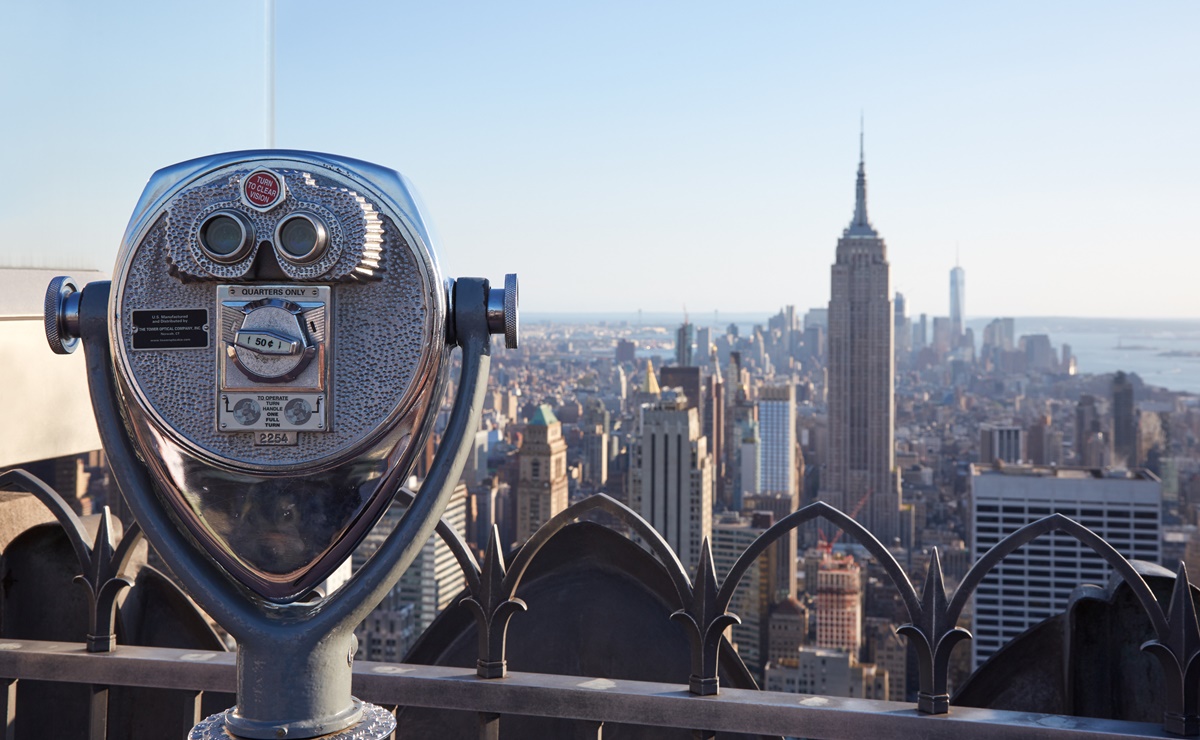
[(593, 702), (701, 706)]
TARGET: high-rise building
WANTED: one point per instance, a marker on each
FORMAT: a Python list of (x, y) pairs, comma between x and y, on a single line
[(731, 536), (903, 331), (434, 579), (861, 460), (747, 465), (1124, 432), (783, 558), (1044, 443), (943, 335), (888, 651), (787, 630), (542, 490), (595, 455), (482, 502), (428, 586), (958, 287), (626, 350), (1039, 353), (839, 604), (687, 377), (999, 334), (828, 673), (685, 341), (648, 390), (1035, 582), (712, 425), (1089, 433), (1003, 442), (704, 345), (777, 431), (671, 475)]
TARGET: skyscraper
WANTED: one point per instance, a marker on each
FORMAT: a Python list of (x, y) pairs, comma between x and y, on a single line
[(777, 432), (1088, 432), (704, 345), (542, 490), (749, 462), (429, 585), (685, 341), (903, 332), (731, 536), (1124, 435), (861, 460), (671, 475), (839, 604), (1035, 582), (958, 286), (1004, 442)]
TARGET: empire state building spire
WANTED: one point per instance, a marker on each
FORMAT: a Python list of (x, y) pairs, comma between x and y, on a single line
[(860, 226), (860, 472)]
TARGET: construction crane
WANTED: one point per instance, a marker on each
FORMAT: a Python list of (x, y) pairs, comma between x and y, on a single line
[(826, 546)]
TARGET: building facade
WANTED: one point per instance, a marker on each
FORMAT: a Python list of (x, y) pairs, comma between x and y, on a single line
[(1003, 442), (542, 489), (429, 585), (839, 604), (685, 345), (671, 475), (732, 535), (777, 433), (861, 461), (1036, 581), (1125, 431), (958, 287)]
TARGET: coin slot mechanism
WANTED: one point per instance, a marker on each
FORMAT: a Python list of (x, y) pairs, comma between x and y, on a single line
[(274, 360)]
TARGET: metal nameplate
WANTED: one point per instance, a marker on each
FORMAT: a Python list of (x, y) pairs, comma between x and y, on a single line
[(170, 328), (272, 411)]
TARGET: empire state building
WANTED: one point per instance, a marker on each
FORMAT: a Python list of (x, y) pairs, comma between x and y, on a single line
[(860, 476)]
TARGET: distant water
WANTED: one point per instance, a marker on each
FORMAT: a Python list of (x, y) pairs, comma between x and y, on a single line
[(1163, 352)]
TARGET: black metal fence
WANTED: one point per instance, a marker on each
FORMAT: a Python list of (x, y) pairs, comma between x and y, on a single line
[(703, 611)]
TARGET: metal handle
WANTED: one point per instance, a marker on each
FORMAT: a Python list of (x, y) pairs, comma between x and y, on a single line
[(61, 314), (502, 310)]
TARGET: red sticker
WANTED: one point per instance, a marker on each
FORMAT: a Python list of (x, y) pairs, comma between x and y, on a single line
[(262, 189)]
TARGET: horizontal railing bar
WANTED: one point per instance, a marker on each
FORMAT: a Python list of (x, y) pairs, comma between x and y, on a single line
[(733, 710), (572, 697), (163, 668)]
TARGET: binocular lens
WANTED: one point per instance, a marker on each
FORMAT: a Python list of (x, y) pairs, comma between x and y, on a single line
[(224, 237), (302, 238)]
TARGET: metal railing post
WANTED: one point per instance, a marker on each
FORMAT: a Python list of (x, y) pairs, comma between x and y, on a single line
[(98, 712), (489, 726), (8, 695)]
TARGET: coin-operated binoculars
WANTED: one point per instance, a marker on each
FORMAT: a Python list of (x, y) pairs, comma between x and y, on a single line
[(265, 365)]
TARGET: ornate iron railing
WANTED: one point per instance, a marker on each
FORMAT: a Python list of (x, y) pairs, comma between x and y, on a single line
[(592, 703), (703, 611)]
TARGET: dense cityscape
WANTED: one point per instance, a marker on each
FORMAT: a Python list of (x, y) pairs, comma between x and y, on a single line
[(928, 435)]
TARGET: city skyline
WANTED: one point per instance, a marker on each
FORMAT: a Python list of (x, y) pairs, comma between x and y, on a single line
[(706, 146)]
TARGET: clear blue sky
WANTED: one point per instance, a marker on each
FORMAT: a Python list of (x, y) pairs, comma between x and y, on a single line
[(625, 155)]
